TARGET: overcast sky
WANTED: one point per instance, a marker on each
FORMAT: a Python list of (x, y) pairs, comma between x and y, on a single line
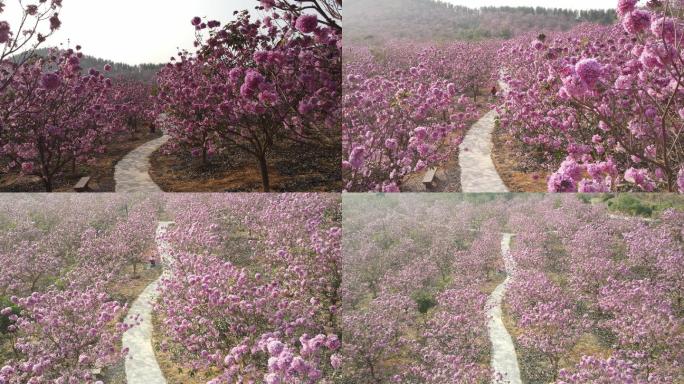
[(132, 31), (568, 4)]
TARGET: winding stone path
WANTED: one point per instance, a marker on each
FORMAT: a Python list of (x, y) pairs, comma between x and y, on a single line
[(504, 359), (478, 173), (131, 174), (141, 363)]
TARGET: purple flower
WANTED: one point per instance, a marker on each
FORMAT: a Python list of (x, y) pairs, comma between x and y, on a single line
[(680, 180), (275, 347), (196, 21), (27, 167), (267, 4), (664, 28), (573, 86), (272, 378), (391, 144), (55, 22), (559, 182), (305, 107), (50, 81), (589, 71), (4, 32), (307, 23), (625, 6), (357, 156), (335, 361), (640, 178), (636, 21)]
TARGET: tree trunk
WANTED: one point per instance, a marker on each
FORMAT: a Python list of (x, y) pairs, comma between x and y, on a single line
[(47, 182), (263, 166)]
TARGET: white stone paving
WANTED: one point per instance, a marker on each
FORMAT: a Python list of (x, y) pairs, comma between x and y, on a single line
[(132, 173), (141, 364), (504, 359)]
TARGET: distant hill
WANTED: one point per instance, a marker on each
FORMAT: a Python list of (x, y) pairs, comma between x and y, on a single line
[(380, 20), (144, 72)]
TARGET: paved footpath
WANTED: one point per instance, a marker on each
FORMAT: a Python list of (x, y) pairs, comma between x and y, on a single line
[(132, 173), (478, 173), (504, 359), (141, 363)]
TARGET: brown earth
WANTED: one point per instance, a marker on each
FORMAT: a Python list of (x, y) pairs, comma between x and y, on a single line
[(519, 174), (292, 168), (101, 170)]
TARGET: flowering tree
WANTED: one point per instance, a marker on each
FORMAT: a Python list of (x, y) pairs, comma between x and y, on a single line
[(412, 314), (23, 38), (63, 336), (55, 118), (604, 102), (406, 109), (281, 79), (61, 322), (133, 104), (267, 315)]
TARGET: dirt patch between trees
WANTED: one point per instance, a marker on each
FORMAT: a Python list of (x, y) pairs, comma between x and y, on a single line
[(101, 170), (519, 174), (292, 168)]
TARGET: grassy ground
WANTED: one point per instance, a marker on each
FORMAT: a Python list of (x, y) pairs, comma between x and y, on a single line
[(649, 205), (101, 170)]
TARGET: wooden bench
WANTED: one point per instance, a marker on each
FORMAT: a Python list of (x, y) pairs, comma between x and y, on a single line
[(82, 185), (430, 178)]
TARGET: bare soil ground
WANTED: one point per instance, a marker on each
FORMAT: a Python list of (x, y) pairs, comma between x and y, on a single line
[(519, 174), (292, 168), (101, 170)]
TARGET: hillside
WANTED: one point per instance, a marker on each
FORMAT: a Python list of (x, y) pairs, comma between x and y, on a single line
[(381, 20), (144, 72)]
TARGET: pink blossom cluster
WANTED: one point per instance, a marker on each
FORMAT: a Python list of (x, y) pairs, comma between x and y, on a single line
[(253, 287), (59, 266), (413, 308), (586, 274), (406, 107), (281, 82), (605, 100)]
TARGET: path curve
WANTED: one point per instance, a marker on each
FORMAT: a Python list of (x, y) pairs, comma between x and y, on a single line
[(504, 359), (132, 173), (141, 363), (478, 173)]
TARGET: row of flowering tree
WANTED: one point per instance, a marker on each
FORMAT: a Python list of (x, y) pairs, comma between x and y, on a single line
[(407, 106), (607, 286), (60, 320), (603, 106), (595, 298), (253, 290), (54, 113), (415, 289), (254, 83)]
